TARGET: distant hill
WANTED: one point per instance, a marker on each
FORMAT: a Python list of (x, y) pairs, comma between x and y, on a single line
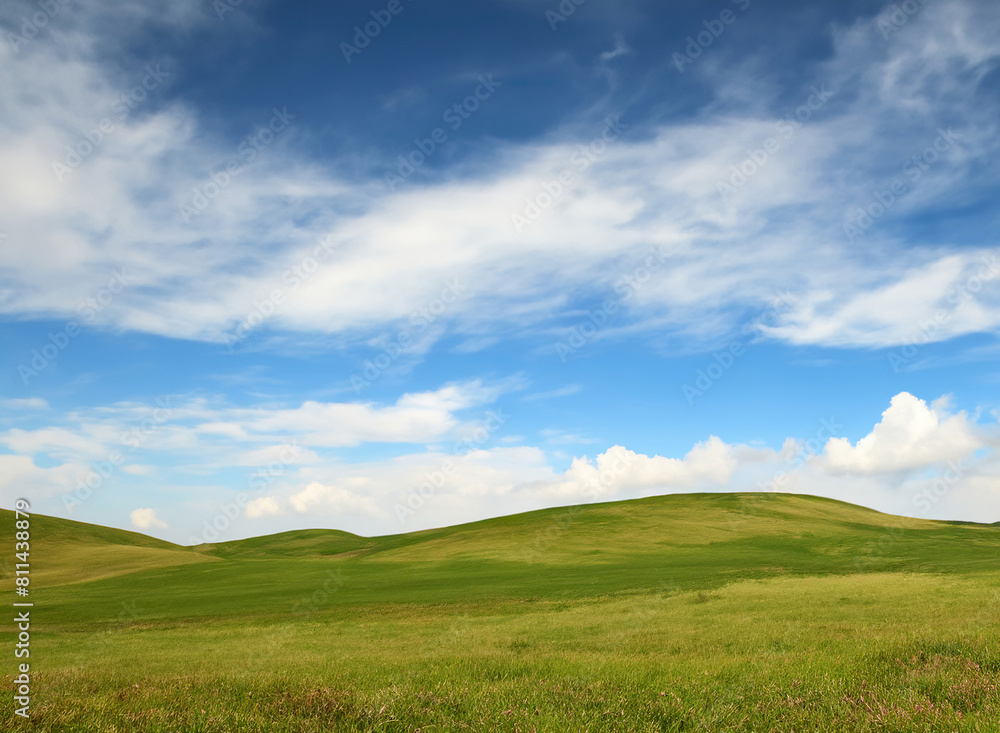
[(705, 538), (585, 532)]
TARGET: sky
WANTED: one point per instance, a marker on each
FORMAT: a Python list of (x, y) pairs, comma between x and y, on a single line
[(385, 266)]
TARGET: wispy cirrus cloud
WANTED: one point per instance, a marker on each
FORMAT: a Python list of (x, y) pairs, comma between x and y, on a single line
[(658, 189)]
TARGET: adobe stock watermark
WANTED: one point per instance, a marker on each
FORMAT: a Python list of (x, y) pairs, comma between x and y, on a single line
[(941, 486), (454, 116), (627, 285), (364, 35), (459, 632), (750, 505), (32, 25), (228, 513), (97, 643), (223, 8), (294, 278), (88, 310), (884, 199), (714, 28), (723, 361), (757, 158), (924, 500), (130, 441), (436, 479), (829, 428), (306, 606), (932, 328), (898, 15), (563, 12), (545, 538), (247, 151), (91, 140), (645, 609), (420, 320), (582, 158)]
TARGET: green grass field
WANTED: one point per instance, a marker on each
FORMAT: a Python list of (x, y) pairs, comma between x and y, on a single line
[(708, 612)]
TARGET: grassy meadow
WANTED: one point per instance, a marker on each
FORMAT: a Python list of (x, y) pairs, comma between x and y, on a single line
[(714, 612)]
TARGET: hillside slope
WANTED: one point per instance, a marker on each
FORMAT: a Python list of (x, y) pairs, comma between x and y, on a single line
[(660, 544), (65, 551), (589, 532)]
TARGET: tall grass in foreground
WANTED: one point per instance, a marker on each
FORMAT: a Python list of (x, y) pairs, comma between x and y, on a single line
[(870, 652)]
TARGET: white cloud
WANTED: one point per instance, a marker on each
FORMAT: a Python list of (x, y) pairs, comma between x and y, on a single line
[(332, 500), (927, 302), (28, 403), (21, 476), (621, 48), (394, 254), (146, 519), (255, 436), (708, 464), (910, 435), (56, 441), (264, 506), (415, 418), (922, 459), (893, 469), (433, 489), (655, 188)]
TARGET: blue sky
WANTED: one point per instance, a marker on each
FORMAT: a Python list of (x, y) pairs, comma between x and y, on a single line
[(394, 265)]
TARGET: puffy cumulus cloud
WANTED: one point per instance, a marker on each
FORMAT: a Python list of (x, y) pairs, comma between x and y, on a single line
[(374, 497), (146, 519), (388, 256), (433, 489), (919, 460), (910, 435), (618, 469), (264, 506), (317, 497)]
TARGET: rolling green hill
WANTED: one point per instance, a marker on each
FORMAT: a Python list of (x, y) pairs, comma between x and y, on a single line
[(600, 532), (692, 541), (683, 612), (64, 551), (698, 540)]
